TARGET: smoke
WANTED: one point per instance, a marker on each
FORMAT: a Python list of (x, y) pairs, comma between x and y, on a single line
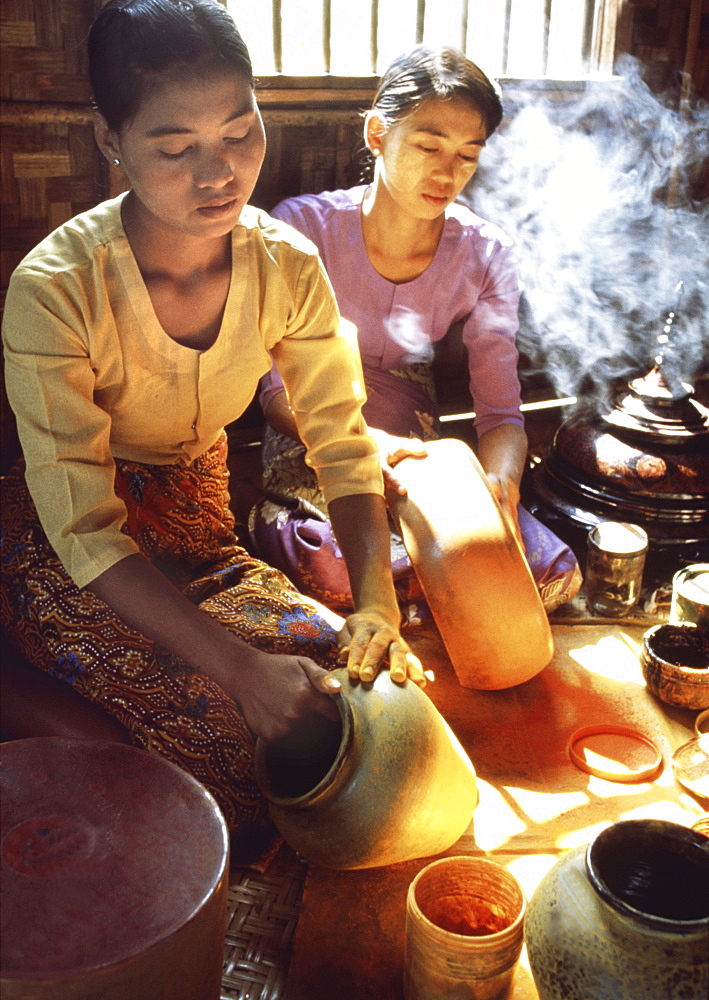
[(599, 191)]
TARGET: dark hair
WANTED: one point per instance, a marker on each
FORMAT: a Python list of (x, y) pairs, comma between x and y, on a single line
[(133, 42), (443, 73)]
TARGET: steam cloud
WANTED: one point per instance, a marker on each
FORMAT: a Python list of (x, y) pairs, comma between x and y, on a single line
[(597, 192)]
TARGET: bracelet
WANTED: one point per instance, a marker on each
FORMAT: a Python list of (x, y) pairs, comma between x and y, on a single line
[(630, 775)]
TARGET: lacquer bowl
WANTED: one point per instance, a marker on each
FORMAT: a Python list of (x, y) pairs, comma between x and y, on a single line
[(675, 663)]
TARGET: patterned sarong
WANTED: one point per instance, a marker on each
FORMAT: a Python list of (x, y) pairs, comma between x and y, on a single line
[(180, 518)]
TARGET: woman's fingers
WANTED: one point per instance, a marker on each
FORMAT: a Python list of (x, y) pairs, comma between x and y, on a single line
[(284, 691), (324, 683), (405, 449), (391, 483), (368, 642)]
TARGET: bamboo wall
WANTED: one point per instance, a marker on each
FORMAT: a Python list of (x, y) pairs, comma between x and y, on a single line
[(51, 170), (668, 37)]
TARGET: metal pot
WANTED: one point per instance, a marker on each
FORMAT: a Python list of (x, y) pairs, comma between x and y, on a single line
[(645, 460)]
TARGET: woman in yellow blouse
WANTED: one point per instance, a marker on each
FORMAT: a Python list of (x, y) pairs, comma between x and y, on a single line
[(133, 334)]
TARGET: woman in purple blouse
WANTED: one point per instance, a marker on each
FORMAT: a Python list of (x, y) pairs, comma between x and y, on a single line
[(407, 264)]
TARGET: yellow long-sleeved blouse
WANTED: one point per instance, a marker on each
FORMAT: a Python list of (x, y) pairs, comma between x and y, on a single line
[(92, 376)]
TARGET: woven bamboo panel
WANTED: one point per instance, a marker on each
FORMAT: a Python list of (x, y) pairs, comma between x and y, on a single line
[(44, 50), (261, 920), (308, 151), (50, 171), (661, 32)]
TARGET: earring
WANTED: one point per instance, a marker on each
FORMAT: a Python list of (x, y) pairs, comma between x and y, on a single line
[(116, 162)]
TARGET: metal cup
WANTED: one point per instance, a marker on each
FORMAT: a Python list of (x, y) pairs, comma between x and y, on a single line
[(615, 559), (690, 594)]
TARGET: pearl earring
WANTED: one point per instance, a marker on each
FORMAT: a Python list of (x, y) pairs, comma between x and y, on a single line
[(116, 162)]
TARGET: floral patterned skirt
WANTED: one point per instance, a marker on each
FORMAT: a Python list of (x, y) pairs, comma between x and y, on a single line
[(180, 518)]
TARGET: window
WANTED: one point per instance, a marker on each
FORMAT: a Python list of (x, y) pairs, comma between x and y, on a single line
[(562, 39)]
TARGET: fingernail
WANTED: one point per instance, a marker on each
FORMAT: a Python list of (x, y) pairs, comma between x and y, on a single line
[(331, 684), (429, 675)]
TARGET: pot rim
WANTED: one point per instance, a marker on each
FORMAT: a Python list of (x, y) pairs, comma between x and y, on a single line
[(667, 924), (305, 800)]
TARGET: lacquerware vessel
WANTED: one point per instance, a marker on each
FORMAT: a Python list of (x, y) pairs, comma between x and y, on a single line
[(472, 569), (675, 663), (645, 460), (386, 783), (626, 918), (114, 872)]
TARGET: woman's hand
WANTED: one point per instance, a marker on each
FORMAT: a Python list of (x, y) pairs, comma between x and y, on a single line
[(503, 452), (507, 495), (368, 640), (393, 450), (370, 637), (276, 692)]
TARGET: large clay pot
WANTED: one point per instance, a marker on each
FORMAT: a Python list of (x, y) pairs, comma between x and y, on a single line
[(626, 918), (386, 783), (472, 569)]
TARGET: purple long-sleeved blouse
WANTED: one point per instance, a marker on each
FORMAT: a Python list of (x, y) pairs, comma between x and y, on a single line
[(472, 279)]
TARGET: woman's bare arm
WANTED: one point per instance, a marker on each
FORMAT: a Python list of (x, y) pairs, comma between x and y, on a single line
[(361, 527), (272, 690), (372, 633), (503, 452)]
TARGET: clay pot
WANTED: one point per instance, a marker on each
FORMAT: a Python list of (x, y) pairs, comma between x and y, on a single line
[(626, 917), (386, 783), (675, 663), (472, 569)]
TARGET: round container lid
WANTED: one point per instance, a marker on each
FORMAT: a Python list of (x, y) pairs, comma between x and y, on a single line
[(616, 753), (106, 850)]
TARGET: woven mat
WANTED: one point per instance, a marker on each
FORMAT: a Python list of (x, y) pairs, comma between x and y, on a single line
[(262, 914)]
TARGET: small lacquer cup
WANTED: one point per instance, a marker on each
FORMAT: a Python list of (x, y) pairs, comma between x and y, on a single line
[(464, 930)]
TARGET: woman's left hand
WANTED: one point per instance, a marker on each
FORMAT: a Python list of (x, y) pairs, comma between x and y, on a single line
[(368, 640), (507, 494)]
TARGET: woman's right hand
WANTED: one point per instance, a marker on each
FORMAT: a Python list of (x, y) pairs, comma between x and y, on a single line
[(277, 691), (273, 690), (393, 450)]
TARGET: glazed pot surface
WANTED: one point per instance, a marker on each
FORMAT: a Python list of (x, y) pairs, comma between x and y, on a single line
[(387, 783), (626, 918)]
